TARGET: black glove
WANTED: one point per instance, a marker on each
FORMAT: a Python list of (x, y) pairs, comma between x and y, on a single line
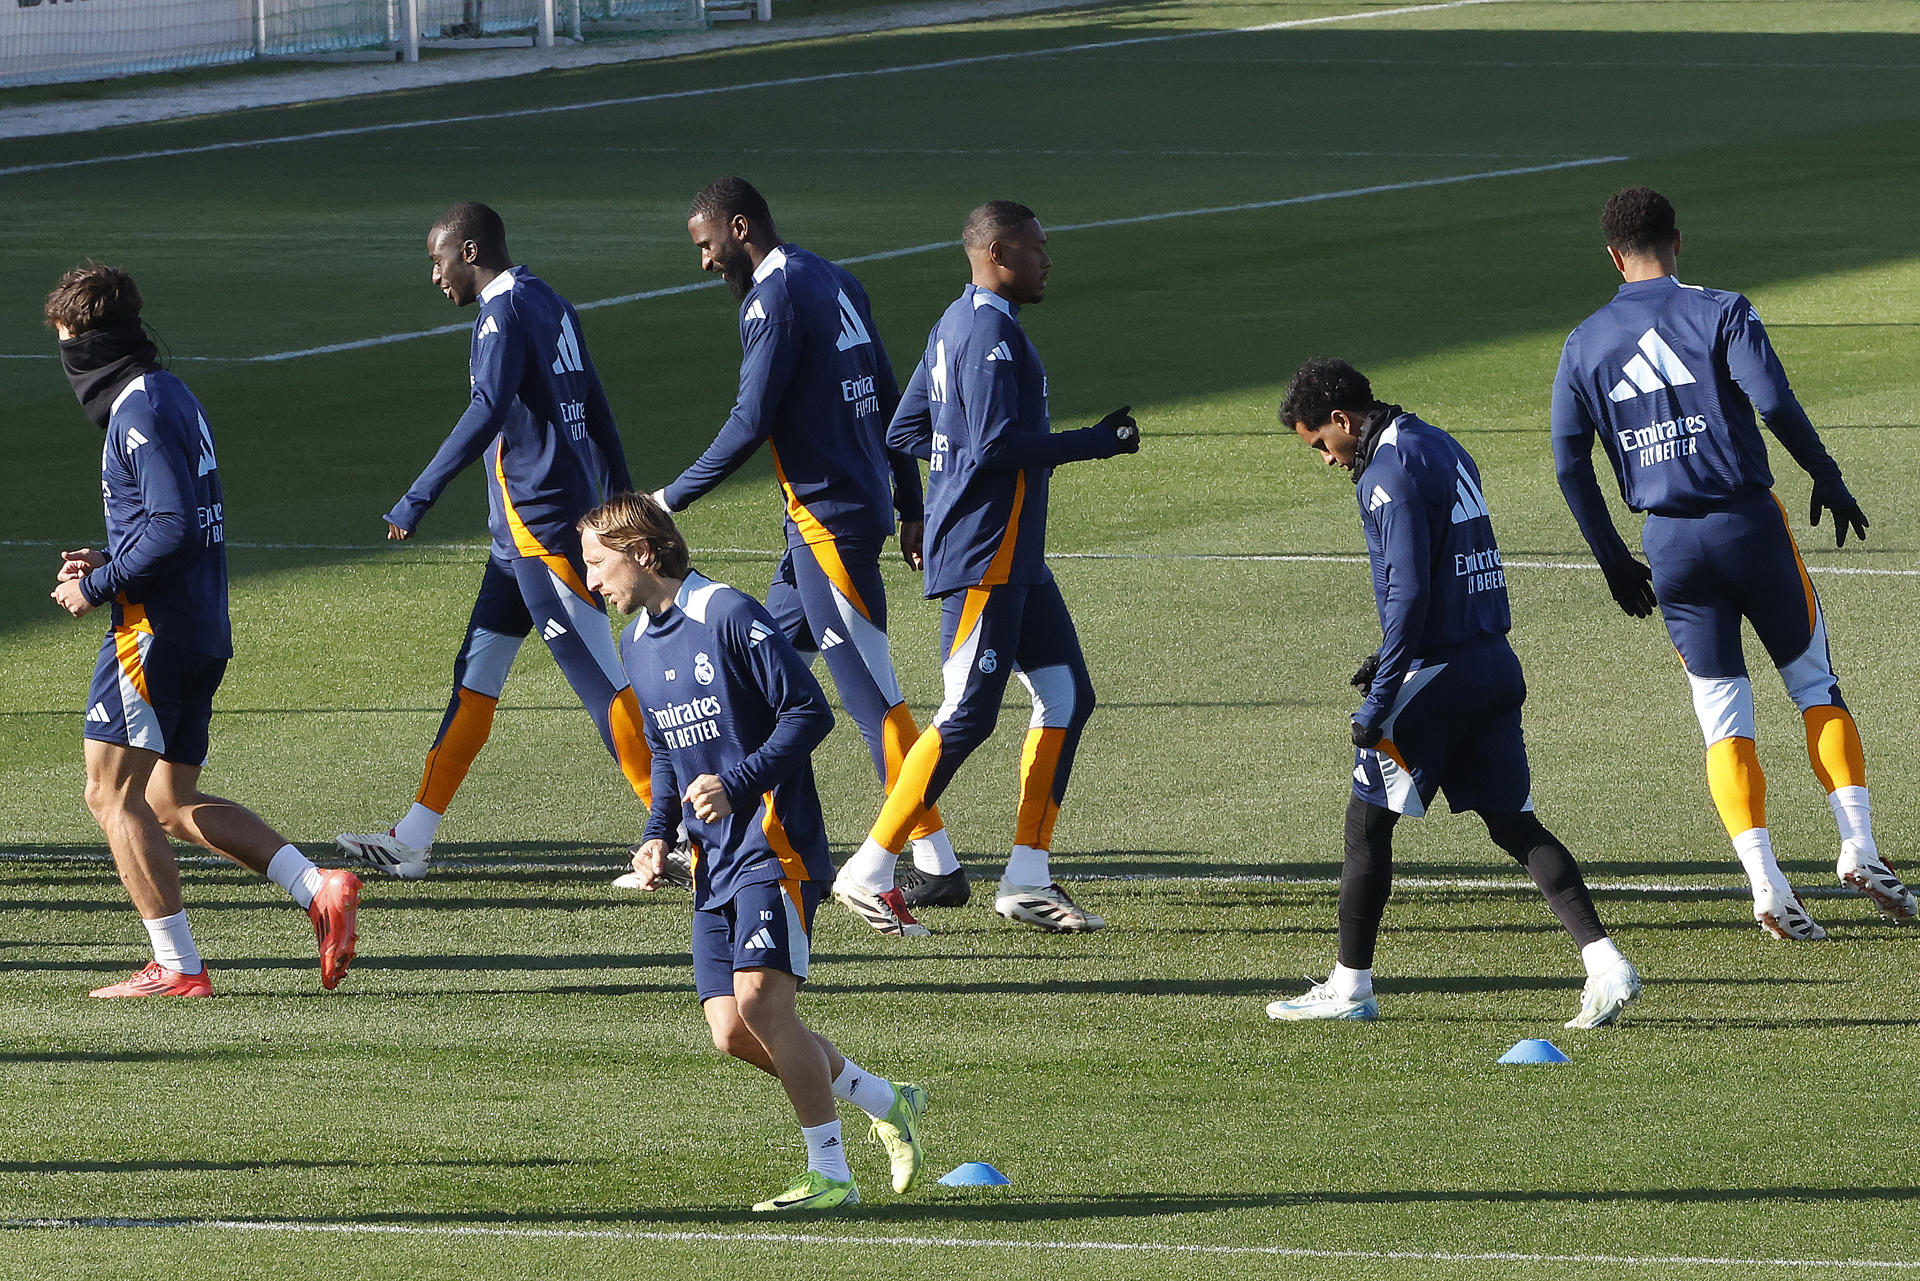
[(1364, 737), (1126, 432), (1632, 586), (1369, 668), (1836, 498)]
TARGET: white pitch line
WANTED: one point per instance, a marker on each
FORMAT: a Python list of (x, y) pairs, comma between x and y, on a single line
[(938, 245), (618, 300), (762, 553), (958, 1243), (782, 82)]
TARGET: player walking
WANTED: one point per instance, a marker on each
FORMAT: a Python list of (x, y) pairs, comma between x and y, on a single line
[(540, 417), (1443, 692), (816, 386), (1669, 376), (164, 580), (733, 716), (976, 409)]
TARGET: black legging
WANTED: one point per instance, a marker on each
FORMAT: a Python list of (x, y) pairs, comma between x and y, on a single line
[(1366, 878)]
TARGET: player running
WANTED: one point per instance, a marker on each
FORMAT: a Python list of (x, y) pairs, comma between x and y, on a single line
[(1669, 376), (816, 386), (1443, 692), (733, 716), (164, 580), (976, 409), (540, 417)]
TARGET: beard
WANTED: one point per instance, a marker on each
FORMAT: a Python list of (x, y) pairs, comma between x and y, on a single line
[(737, 270)]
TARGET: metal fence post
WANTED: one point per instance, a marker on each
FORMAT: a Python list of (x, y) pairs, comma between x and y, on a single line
[(411, 10)]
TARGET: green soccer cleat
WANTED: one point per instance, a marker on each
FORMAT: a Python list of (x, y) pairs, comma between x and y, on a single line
[(899, 1133), (812, 1191)]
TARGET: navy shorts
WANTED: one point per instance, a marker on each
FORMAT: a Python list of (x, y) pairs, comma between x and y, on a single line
[(150, 693), (1455, 727), (765, 926)]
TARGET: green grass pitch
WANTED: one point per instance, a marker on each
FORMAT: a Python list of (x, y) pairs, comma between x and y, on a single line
[(514, 1081)]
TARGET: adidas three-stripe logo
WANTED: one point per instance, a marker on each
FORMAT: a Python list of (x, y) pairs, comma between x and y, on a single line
[(762, 940), (1000, 352), (569, 360), (852, 332), (757, 633), (1378, 498), (98, 714), (1468, 503), (1656, 368), (552, 629), (830, 638)]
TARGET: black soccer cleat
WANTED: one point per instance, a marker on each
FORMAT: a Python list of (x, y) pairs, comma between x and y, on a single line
[(931, 889)]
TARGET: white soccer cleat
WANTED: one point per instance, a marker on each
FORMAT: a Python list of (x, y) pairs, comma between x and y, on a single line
[(1322, 1002), (1606, 995), (385, 852), (885, 911), (1780, 913), (1870, 874), (1046, 907)]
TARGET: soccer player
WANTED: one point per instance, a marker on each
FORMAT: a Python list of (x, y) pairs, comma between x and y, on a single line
[(976, 409), (816, 386), (1443, 691), (163, 578), (1669, 376), (733, 716), (540, 417)]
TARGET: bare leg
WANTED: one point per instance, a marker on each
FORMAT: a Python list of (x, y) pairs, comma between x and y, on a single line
[(732, 1036), (765, 1000), (213, 822), (117, 779)]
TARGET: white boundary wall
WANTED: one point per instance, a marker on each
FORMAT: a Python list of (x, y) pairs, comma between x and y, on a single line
[(43, 41)]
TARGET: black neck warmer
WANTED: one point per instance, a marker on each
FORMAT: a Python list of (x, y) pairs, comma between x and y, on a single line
[(1370, 430), (101, 362)]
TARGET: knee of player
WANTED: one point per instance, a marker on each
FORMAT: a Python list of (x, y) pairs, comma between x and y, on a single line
[(730, 1033), (105, 798), (1517, 833)]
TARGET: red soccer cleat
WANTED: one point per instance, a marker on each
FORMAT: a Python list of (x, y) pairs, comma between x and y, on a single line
[(158, 980), (336, 908)]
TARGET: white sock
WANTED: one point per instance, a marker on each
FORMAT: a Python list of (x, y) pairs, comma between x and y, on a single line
[(1755, 848), (1600, 956), (418, 827), (295, 873), (1854, 816), (173, 943), (870, 868), (1027, 867), (824, 1152), (935, 854), (871, 1094), (1354, 985)]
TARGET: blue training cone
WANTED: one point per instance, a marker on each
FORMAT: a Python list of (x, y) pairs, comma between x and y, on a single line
[(1534, 1052), (974, 1174)]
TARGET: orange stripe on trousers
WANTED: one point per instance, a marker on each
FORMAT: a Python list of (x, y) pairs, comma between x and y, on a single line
[(898, 734), (1739, 788), (1833, 745), (630, 745), (1039, 766), (453, 755), (907, 798)]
